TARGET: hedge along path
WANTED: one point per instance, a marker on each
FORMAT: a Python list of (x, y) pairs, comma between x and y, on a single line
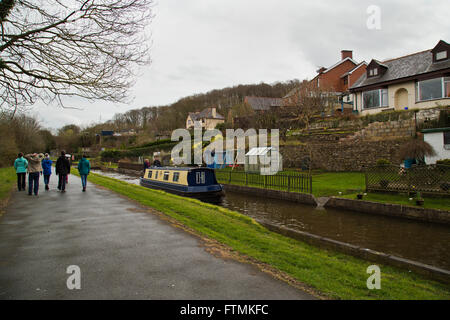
[(333, 274), (7, 183)]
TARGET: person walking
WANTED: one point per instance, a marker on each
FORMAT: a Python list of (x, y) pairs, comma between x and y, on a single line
[(62, 169), (34, 170), (21, 165), (47, 168), (84, 168)]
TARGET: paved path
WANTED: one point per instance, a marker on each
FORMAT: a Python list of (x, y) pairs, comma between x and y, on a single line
[(123, 253)]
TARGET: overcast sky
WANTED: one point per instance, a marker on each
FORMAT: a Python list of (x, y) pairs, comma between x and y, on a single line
[(200, 45)]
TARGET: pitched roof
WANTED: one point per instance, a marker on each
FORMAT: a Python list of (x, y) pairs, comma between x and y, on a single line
[(339, 63), (205, 114), (263, 103), (355, 68), (403, 67)]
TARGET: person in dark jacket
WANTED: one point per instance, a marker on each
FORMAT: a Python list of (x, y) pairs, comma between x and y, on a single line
[(21, 165), (84, 167), (157, 163), (62, 169), (47, 168)]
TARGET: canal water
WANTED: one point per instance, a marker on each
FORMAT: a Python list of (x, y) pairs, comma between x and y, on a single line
[(424, 242)]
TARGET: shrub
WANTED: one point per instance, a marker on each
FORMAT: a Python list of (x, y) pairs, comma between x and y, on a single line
[(445, 162), (383, 162)]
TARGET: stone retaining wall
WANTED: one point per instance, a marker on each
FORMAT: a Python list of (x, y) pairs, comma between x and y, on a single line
[(273, 194), (392, 210)]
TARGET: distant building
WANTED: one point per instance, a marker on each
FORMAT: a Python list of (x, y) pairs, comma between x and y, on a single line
[(207, 119), (419, 80), (263, 104), (439, 139)]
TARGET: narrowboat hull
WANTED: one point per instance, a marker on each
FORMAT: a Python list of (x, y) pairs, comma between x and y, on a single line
[(211, 193)]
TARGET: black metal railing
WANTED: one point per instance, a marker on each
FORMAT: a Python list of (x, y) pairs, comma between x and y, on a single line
[(434, 179), (285, 181)]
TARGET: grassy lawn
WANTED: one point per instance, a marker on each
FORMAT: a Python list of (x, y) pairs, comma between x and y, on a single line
[(334, 274), (430, 202), (331, 183), (8, 179)]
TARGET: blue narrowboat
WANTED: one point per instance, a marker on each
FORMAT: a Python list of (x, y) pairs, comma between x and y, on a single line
[(198, 182)]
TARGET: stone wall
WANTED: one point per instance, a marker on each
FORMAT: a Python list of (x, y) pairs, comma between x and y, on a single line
[(342, 155), (385, 130)]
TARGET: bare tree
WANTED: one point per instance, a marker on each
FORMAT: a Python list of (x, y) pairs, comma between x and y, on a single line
[(302, 105), (306, 102), (86, 48)]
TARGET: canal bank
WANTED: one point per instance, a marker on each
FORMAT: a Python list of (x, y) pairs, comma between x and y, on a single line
[(425, 243)]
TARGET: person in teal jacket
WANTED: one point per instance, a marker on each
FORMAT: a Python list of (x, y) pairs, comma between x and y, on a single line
[(21, 165), (84, 168)]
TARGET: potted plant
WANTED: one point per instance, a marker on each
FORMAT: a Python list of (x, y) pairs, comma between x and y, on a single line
[(359, 195), (419, 199)]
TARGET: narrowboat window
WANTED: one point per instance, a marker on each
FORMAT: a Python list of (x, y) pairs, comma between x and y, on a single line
[(150, 174), (166, 176), (200, 177), (176, 177), (156, 174)]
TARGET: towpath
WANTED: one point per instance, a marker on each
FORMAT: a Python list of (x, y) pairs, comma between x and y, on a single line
[(122, 251)]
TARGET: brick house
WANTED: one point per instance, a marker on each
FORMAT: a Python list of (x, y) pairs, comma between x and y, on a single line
[(337, 79), (208, 119), (419, 80)]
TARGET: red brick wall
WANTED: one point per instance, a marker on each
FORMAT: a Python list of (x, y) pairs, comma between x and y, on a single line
[(356, 75), (332, 79)]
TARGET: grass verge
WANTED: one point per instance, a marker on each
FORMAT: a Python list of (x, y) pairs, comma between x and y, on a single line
[(7, 182), (403, 199), (334, 274)]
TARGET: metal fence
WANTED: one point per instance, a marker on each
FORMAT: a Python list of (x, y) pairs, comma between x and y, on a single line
[(433, 179), (285, 181)]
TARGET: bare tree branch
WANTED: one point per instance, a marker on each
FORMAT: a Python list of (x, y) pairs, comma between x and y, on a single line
[(86, 48)]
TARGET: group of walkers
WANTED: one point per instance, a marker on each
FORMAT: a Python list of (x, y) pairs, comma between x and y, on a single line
[(37, 165)]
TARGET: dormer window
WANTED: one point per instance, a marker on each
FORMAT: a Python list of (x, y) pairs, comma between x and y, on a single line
[(442, 55), (441, 51), (373, 72)]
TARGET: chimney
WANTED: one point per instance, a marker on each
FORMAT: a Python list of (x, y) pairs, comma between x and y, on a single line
[(346, 54), (213, 111)]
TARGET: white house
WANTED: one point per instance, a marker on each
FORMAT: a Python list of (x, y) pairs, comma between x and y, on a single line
[(439, 139)]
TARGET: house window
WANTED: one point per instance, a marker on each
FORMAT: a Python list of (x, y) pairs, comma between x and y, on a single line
[(447, 140), (431, 89), (375, 98), (176, 177), (442, 55), (166, 176)]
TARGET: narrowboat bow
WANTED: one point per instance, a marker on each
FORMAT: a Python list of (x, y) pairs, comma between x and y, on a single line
[(199, 182)]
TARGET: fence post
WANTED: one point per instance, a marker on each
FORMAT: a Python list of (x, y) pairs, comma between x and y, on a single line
[(289, 183), (246, 179), (265, 181), (229, 180)]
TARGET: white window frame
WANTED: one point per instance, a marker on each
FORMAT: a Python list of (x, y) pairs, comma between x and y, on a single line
[(443, 93), (380, 98), (443, 57)]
